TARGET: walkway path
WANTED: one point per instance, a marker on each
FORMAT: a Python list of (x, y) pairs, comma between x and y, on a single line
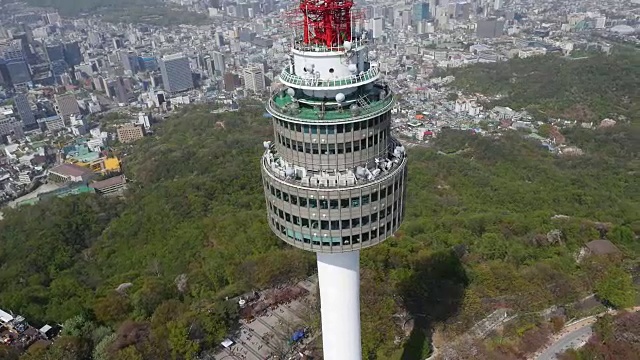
[(573, 336)]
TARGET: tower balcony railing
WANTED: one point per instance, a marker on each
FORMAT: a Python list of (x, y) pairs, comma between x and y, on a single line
[(300, 45), (282, 106), (364, 77), (333, 179)]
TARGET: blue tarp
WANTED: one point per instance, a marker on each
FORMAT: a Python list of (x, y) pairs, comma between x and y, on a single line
[(299, 334)]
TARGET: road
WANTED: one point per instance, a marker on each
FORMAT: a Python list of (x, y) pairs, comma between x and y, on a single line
[(572, 340), (573, 336)]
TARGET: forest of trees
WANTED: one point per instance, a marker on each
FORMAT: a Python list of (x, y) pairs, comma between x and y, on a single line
[(601, 86), (192, 230)]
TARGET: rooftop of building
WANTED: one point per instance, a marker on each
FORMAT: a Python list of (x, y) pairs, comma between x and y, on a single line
[(70, 170), (81, 153), (173, 56), (103, 184)]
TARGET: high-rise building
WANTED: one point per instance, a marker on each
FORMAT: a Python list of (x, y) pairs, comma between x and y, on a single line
[(14, 68), (18, 71), (94, 38), (117, 43), (208, 65), (420, 11), (72, 53), (121, 92), (432, 8), (129, 61), (67, 105), (219, 39), (230, 81), (176, 73), (376, 26), (55, 52), (146, 63), (334, 178), (253, 76), (24, 109), (13, 51), (52, 18), (21, 40), (490, 28), (218, 62), (10, 126), (497, 4)]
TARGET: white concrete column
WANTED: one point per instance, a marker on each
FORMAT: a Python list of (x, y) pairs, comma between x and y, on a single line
[(339, 280)]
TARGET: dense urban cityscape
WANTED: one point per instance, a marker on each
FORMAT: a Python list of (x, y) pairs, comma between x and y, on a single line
[(102, 102)]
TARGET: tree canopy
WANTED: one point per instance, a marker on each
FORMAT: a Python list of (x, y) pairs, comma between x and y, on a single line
[(480, 233), (600, 86)]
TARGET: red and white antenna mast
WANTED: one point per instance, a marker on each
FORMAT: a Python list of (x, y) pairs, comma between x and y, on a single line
[(325, 22)]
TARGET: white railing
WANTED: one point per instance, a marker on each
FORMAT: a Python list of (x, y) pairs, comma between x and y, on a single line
[(292, 79), (301, 46)]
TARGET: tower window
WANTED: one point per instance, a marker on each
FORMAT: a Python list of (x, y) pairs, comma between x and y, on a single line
[(346, 224), (344, 203)]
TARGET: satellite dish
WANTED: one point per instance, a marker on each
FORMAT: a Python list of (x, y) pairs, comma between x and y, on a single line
[(347, 45), (353, 68), (289, 171), (291, 92), (266, 144), (340, 97)]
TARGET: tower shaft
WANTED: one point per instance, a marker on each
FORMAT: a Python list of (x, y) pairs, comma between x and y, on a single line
[(339, 278), (335, 177)]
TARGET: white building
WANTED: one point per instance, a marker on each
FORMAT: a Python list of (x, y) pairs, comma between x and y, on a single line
[(254, 78)]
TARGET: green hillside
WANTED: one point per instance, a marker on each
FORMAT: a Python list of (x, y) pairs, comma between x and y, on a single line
[(474, 238), (589, 89)]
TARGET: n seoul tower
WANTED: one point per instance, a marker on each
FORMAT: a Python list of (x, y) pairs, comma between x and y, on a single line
[(334, 178)]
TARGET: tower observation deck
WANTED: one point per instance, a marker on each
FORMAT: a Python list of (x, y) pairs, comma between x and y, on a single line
[(334, 178)]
